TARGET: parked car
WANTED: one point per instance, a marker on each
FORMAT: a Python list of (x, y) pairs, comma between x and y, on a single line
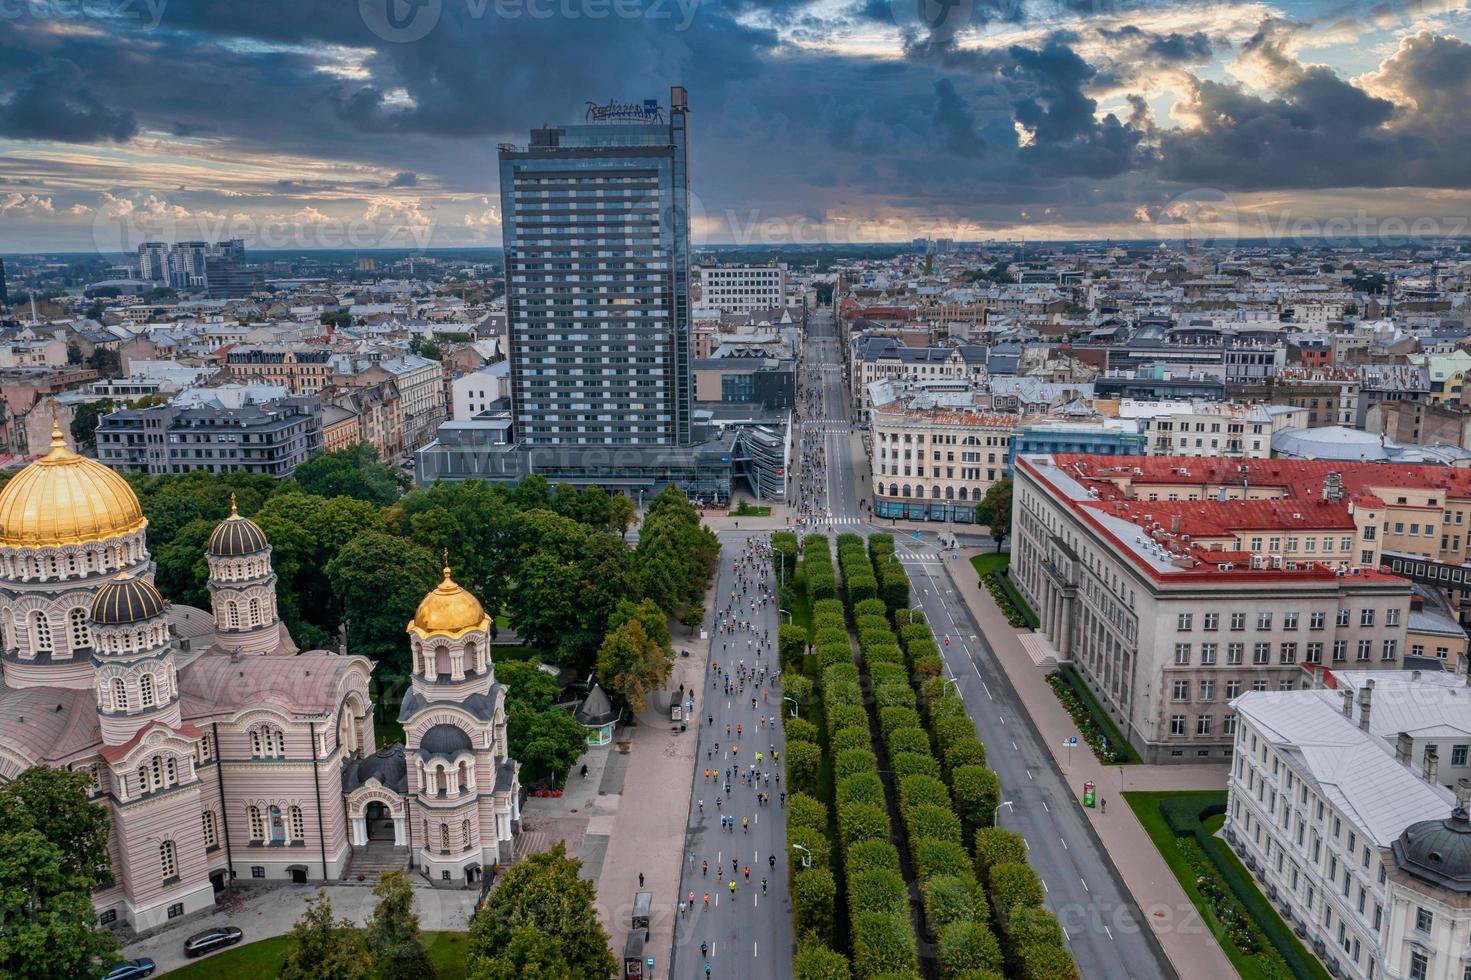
[(212, 939), (131, 969)]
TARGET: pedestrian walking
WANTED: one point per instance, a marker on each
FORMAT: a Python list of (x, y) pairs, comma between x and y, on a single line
[(705, 869), (641, 879)]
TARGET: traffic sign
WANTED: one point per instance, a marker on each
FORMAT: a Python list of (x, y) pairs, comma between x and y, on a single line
[(1070, 741)]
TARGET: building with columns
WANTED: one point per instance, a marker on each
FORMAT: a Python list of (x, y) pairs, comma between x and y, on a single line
[(1173, 586), (218, 749)]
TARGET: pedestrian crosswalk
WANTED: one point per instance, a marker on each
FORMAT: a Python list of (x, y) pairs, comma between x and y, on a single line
[(834, 520), (827, 425)]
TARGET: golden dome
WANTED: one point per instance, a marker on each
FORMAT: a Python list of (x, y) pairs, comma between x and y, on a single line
[(63, 499), (449, 611)]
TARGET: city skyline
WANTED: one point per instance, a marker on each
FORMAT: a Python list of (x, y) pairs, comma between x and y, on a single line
[(369, 126)]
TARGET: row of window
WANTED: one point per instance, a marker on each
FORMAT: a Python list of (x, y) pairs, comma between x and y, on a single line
[(1185, 621), (1261, 653)]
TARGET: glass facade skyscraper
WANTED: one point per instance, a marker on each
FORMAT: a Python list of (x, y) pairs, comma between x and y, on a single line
[(595, 220)]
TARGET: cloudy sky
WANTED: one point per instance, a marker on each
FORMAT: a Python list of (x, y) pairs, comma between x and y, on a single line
[(373, 123)]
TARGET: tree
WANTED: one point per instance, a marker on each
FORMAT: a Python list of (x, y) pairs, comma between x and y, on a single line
[(106, 362), (393, 931), (380, 581), (546, 743), (323, 948), (632, 664), (544, 894), (352, 472), (529, 954), (53, 855), (529, 689), (84, 422), (995, 510), (621, 512)]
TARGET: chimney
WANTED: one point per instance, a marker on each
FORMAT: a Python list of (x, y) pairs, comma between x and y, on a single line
[(1333, 486), (1463, 795), (1175, 524), (1366, 697), (1403, 746), (1431, 766), (1348, 702)]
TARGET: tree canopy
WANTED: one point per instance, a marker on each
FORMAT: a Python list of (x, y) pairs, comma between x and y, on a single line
[(53, 855), (541, 914)]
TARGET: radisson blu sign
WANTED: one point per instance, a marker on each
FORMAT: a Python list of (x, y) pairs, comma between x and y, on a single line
[(612, 111)]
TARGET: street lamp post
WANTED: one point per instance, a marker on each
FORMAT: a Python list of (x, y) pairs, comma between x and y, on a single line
[(795, 705), (787, 612), (996, 818), (951, 680), (806, 855)]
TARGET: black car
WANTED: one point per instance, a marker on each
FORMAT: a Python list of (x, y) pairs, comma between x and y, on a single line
[(131, 969), (212, 939)]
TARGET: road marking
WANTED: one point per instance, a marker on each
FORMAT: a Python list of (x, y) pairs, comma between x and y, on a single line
[(984, 684), (1067, 935), (1013, 746), (1085, 884), (977, 669), (1064, 843), (1044, 885), (1045, 807), (1003, 718), (754, 952), (1109, 931), (1029, 774)]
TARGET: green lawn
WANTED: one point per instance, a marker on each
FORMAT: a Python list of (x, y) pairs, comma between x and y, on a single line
[(990, 562), (264, 959), (746, 509), (503, 653), (1259, 966)]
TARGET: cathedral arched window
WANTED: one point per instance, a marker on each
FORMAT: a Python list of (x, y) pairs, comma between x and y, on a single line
[(146, 695), (298, 825), (170, 772), (71, 563), (441, 660), (81, 632), (465, 831), (211, 835), (254, 611), (168, 861), (155, 773), (232, 614), (41, 631), (119, 695), (472, 658), (257, 824), (444, 837)]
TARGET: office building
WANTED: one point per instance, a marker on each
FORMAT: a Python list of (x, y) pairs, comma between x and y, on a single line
[(596, 233), (742, 288), (1174, 584), (153, 262)]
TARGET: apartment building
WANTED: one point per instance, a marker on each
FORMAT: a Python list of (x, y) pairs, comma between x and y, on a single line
[(742, 288), (1173, 585), (300, 369), (1202, 428), (1339, 805), (934, 454), (878, 358), (272, 438)]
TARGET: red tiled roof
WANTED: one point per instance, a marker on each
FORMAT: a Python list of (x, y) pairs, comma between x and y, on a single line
[(112, 753)]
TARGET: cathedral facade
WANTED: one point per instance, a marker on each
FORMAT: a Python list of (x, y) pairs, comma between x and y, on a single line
[(219, 749)]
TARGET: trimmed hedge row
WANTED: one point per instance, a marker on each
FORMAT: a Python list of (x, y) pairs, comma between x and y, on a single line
[(813, 886), (943, 816)]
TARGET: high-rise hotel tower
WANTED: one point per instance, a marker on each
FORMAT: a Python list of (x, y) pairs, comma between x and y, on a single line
[(596, 231)]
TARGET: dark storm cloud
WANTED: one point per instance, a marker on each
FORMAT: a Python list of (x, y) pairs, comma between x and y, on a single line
[(404, 178), (1172, 48), (54, 102), (1068, 138)]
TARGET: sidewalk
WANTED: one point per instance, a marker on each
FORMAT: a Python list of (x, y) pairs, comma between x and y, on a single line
[(1187, 942), (647, 832)]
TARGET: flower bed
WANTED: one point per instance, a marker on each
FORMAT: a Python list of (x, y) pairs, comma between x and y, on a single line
[(1095, 727)]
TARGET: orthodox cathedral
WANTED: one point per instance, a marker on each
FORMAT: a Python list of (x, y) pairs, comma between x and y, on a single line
[(218, 748)]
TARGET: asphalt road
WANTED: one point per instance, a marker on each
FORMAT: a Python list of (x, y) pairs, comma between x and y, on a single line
[(749, 934), (1104, 926)]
